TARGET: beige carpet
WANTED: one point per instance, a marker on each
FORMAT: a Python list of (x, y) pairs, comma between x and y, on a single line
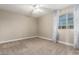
[(36, 46)]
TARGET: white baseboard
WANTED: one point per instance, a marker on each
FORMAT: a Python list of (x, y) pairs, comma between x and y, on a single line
[(44, 38), (17, 39), (34, 37), (65, 43)]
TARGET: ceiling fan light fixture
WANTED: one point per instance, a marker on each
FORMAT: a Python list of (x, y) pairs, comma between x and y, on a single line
[(36, 6)]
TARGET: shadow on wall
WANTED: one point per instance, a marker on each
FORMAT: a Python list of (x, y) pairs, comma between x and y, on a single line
[(57, 37)]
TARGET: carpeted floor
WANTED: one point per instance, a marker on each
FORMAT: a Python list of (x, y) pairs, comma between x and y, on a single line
[(36, 46)]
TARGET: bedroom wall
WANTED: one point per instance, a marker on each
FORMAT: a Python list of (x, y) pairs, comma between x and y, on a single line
[(14, 26), (45, 26)]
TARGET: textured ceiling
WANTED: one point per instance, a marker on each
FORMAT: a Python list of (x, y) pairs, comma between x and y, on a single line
[(28, 9)]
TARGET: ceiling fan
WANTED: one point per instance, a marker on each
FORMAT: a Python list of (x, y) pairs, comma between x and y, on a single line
[(39, 8)]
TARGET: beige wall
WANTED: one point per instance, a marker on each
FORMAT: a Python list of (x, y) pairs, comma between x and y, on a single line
[(66, 35), (13, 26), (45, 26)]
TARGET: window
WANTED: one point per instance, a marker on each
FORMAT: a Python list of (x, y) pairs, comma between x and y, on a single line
[(70, 21), (62, 22), (66, 21)]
